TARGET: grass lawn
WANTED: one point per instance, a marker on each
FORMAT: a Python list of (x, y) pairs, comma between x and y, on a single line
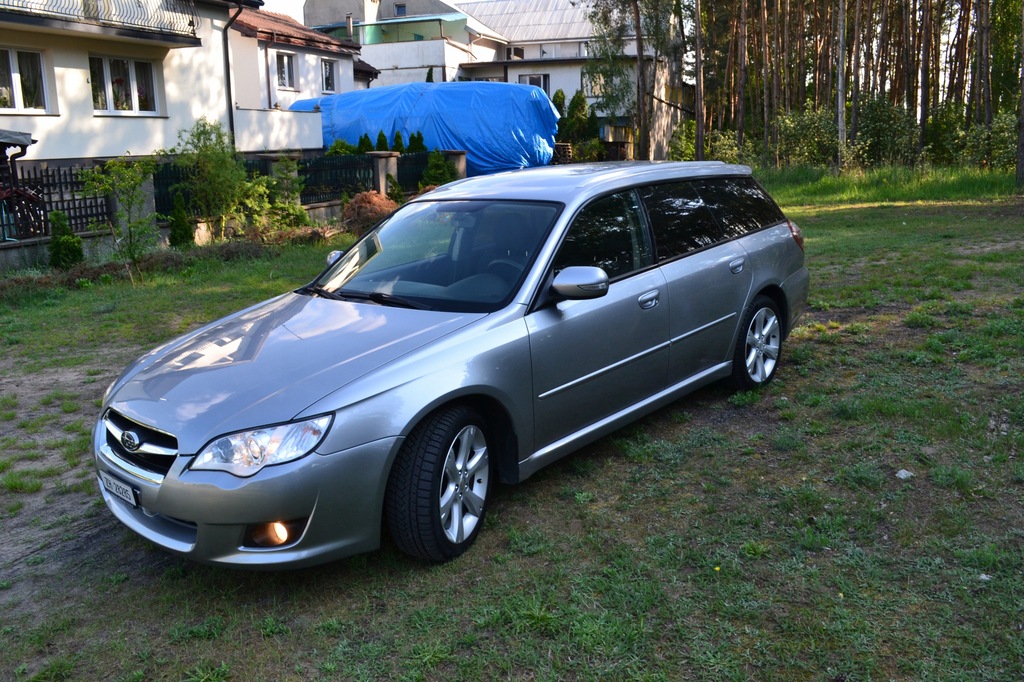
[(860, 518)]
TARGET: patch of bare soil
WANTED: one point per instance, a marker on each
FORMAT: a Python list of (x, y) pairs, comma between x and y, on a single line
[(46, 533)]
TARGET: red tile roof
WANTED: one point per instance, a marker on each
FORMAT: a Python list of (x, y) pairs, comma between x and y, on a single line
[(283, 30)]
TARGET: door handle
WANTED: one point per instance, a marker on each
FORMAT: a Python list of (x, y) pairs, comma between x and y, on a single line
[(649, 300), (737, 265)]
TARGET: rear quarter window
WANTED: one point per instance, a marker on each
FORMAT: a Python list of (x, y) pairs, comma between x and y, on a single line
[(739, 205), (679, 219)]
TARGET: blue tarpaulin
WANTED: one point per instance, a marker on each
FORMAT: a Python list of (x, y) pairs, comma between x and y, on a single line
[(501, 126)]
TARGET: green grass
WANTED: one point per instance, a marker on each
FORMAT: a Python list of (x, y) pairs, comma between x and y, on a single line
[(751, 536)]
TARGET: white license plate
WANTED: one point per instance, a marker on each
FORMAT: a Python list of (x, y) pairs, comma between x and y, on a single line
[(119, 488)]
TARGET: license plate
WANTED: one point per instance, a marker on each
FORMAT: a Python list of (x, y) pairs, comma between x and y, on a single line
[(119, 488)]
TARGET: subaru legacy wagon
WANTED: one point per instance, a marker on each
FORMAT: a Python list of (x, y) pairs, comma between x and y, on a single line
[(479, 333)]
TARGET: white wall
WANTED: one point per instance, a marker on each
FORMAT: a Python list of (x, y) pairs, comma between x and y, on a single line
[(406, 62), (193, 86), (261, 130)]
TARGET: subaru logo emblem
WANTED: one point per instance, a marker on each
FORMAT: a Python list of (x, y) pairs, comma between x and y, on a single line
[(130, 440)]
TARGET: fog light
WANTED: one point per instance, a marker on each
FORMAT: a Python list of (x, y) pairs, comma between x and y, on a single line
[(274, 534)]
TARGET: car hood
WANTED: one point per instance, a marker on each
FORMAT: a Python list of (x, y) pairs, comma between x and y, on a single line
[(268, 363)]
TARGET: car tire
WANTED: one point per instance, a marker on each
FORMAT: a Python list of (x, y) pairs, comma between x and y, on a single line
[(759, 346), (440, 485)]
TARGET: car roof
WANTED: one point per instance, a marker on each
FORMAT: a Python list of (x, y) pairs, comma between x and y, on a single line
[(562, 182)]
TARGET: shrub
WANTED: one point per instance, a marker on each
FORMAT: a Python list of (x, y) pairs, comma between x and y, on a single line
[(182, 229), (682, 144), (365, 210), (341, 148), (416, 143), (558, 99), (215, 178), (65, 248), (395, 192), (123, 179), (439, 171), (887, 134), (808, 138), (382, 142), (575, 126), (588, 150), (397, 143), (944, 134), (365, 145), (994, 148)]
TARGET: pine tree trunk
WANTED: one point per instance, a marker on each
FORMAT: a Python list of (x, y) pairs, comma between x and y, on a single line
[(841, 80), (1020, 117), (698, 104), (741, 87)]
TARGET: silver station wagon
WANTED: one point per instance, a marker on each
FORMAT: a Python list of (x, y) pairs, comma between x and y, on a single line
[(481, 332)]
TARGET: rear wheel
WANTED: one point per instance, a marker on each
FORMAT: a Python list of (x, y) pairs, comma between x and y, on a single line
[(759, 346), (439, 487)]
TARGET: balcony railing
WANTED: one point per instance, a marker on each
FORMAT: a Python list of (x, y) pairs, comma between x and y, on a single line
[(176, 17)]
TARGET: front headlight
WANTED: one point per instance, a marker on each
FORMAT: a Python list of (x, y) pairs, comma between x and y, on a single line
[(246, 452)]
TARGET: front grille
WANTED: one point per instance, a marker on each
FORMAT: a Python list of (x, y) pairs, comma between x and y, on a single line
[(155, 451)]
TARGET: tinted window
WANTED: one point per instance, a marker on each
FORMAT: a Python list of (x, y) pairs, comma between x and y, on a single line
[(739, 205), (680, 221), (607, 233)]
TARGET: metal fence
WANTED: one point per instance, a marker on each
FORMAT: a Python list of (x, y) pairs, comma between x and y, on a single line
[(410, 170), (327, 178), (169, 179), (61, 190)]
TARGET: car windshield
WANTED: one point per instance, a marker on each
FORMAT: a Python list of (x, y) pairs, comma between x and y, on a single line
[(460, 256)]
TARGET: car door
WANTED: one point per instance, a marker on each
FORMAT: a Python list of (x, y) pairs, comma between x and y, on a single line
[(708, 277), (594, 358)]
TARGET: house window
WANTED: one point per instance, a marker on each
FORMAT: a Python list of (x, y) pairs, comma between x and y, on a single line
[(400, 9), (120, 84), (541, 80), (592, 84), (21, 80), (285, 70), (514, 53), (329, 68)]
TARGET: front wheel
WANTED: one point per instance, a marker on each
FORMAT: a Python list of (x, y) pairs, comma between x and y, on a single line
[(759, 346), (439, 486)]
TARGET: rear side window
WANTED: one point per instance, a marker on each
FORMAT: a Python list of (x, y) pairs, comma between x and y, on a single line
[(739, 205), (680, 220)]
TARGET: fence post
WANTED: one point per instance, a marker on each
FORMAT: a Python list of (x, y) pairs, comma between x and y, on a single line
[(384, 164), (457, 157)]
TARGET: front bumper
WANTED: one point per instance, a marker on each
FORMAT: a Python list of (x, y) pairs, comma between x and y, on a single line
[(205, 515)]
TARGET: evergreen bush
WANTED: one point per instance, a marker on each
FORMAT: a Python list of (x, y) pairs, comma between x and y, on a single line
[(65, 247), (182, 229), (439, 171), (416, 143), (397, 144), (382, 142)]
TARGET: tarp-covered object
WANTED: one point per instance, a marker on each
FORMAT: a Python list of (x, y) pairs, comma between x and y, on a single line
[(501, 126)]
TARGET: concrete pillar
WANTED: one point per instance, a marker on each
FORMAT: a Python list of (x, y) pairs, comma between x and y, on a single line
[(384, 164), (457, 157)]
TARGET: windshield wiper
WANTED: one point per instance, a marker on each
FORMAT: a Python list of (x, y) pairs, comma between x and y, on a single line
[(317, 290), (381, 298)]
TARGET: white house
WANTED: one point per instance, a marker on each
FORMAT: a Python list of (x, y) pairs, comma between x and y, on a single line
[(276, 61), (101, 78)]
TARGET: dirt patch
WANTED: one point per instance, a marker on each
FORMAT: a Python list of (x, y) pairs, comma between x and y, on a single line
[(50, 511)]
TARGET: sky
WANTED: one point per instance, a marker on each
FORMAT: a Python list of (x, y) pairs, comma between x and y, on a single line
[(292, 8)]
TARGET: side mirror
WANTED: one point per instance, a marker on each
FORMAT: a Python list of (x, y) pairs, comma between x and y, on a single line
[(333, 257), (581, 282)]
